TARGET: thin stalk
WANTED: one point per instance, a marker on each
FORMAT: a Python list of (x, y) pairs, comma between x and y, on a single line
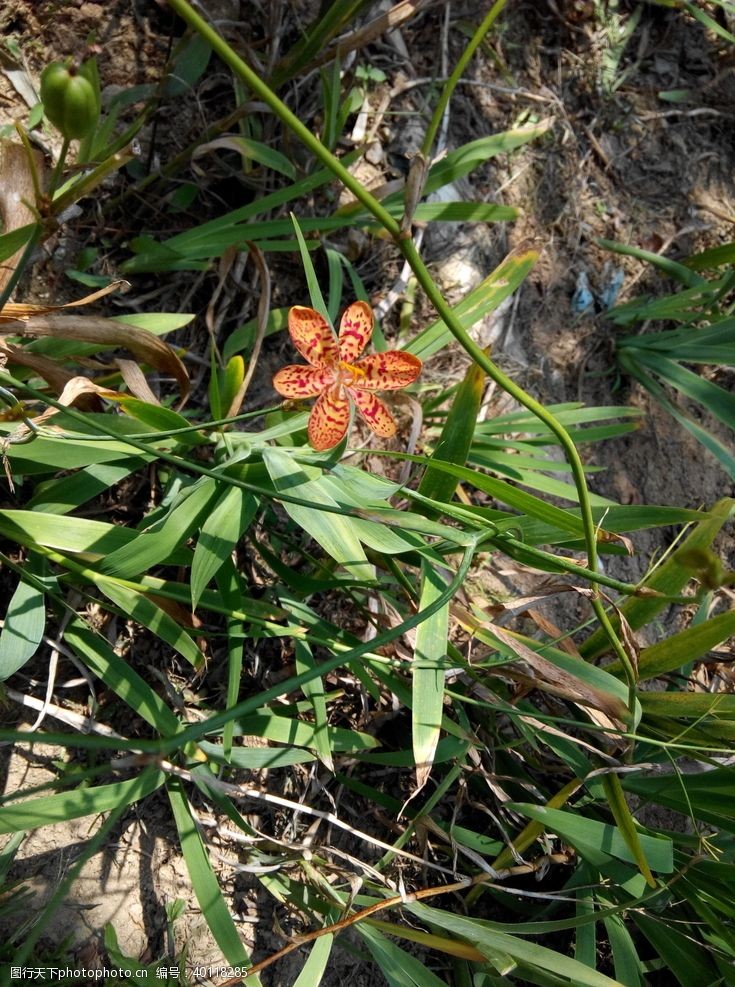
[(265, 93), (412, 256), (456, 75), (408, 249), (58, 170)]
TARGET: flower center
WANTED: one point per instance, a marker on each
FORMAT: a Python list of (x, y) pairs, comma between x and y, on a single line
[(348, 373)]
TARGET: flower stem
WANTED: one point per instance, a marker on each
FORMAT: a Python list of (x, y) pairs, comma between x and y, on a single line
[(403, 240), (456, 75)]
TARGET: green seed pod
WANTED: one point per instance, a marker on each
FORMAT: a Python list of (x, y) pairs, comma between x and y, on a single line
[(69, 99)]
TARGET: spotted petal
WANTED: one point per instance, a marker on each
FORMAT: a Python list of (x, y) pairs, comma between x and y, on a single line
[(387, 371), (329, 418), (300, 381), (313, 337), (375, 413), (355, 330)]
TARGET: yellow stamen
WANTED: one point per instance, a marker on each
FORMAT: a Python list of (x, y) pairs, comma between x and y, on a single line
[(351, 369)]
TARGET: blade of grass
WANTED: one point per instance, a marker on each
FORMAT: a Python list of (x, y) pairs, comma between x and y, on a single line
[(428, 674), (204, 881)]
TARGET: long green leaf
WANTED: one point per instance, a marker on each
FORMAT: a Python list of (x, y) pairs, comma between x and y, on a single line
[(149, 548), (36, 812), (312, 282), (140, 608), (221, 531), (69, 492), (685, 959), (299, 733), (628, 967), (316, 964), (314, 692), (530, 956), (596, 841), (334, 532), (25, 621), (682, 648), (668, 579), (399, 968), (204, 881), (456, 437), (428, 674), (677, 271), (485, 298), (119, 676), (15, 240), (717, 400)]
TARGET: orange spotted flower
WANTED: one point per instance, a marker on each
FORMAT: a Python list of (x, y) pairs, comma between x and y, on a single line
[(337, 376)]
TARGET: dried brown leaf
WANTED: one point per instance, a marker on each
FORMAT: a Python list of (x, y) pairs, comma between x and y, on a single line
[(549, 677), (146, 347), (17, 191)]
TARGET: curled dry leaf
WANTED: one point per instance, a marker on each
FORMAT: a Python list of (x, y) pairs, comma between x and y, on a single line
[(17, 191), (18, 186), (549, 677), (146, 347), (78, 392)]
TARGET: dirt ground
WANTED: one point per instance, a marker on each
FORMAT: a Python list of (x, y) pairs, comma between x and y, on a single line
[(617, 162)]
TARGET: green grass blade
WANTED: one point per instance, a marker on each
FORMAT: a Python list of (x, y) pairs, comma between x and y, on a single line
[(485, 298), (626, 826), (70, 492), (312, 282), (149, 548), (457, 164), (25, 622), (528, 955), (712, 258), (456, 436), (222, 529), (137, 606), (428, 674), (599, 842), (627, 964), (668, 579), (316, 964), (299, 733), (314, 692), (336, 283), (463, 212), (718, 449), (334, 532), (712, 792), (36, 812), (716, 400), (399, 968), (684, 958), (204, 882), (120, 677), (676, 271), (680, 649), (15, 240)]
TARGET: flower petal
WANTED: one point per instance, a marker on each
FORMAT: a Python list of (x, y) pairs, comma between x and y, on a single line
[(375, 413), (329, 418), (387, 371), (355, 330), (312, 336), (300, 381)]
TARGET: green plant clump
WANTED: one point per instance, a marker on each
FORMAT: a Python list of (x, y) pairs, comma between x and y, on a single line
[(291, 656)]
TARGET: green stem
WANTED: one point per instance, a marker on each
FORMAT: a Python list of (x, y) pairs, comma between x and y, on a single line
[(91, 180), (456, 75), (265, 93), (56, 176), (411, 255)]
